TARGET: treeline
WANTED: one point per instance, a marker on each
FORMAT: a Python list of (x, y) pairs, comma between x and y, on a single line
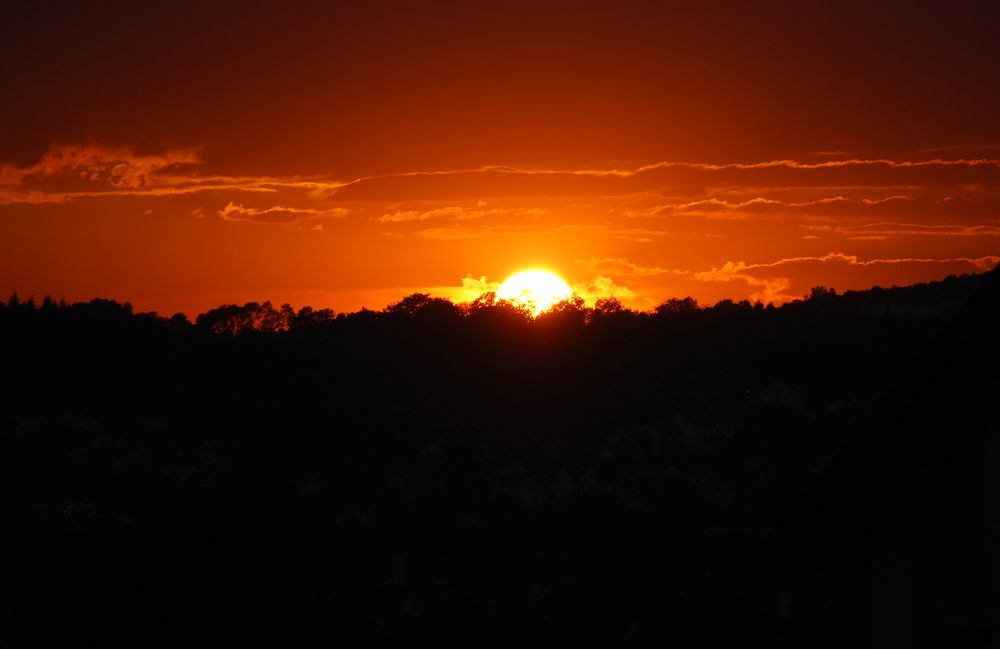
[(264, 317), (430, 473), (425, 355)]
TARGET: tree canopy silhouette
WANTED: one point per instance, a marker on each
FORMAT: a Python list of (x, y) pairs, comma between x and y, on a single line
[(456, 474)]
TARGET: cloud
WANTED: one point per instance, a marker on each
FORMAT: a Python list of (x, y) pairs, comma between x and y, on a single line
[(885, 230), (639, 235), (276, 214), (601, 286), (766, 290), (446, 234), (770, 282), (853, 162), (983, 264), (644, 282), (666, 164), (621, 267), (511, 181), (852, 260), (66, 171), (478, 286), (534, 213), (718, 208), (501, 229), (75, 171), (454, 213), (120, 167), (469, 290), (457, 213)]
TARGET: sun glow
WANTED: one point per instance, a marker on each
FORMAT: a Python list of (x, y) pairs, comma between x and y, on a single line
[(537, 290)]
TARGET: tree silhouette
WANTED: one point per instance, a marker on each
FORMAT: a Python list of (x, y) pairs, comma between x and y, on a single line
[(821, 295), (608, 306), (251, 317), (307, 317), (675, 306), (484, 301), (566, 312), (424, 306)]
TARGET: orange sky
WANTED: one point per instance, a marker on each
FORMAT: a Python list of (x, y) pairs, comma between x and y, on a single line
[(180, 156)]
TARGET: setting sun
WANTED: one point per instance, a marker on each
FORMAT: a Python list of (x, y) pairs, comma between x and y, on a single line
[(538, 290)]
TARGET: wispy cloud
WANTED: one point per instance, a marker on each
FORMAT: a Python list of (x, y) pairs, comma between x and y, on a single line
[(276, 214), (73, 172), (666, 164), (621, 267), (470, 288), (118, 167), (721, 208), (699, 181), (638, 235), (448, 234), (703, 166), (764, 289), (452, 213), (771, 281), (889, 229), (458, 213), (601, 286), (853, 260)]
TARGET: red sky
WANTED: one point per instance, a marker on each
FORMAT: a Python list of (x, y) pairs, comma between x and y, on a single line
[(182, 155)]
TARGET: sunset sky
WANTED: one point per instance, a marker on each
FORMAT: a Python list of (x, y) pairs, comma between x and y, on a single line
[(183, 155)]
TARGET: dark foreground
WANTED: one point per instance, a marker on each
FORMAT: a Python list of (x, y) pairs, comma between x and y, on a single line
[(815, 475)]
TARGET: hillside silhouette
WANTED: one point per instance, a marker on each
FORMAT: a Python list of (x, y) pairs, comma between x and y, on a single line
[(466, 475)]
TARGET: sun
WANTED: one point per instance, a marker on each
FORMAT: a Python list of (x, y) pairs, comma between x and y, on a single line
[(537, 290)]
